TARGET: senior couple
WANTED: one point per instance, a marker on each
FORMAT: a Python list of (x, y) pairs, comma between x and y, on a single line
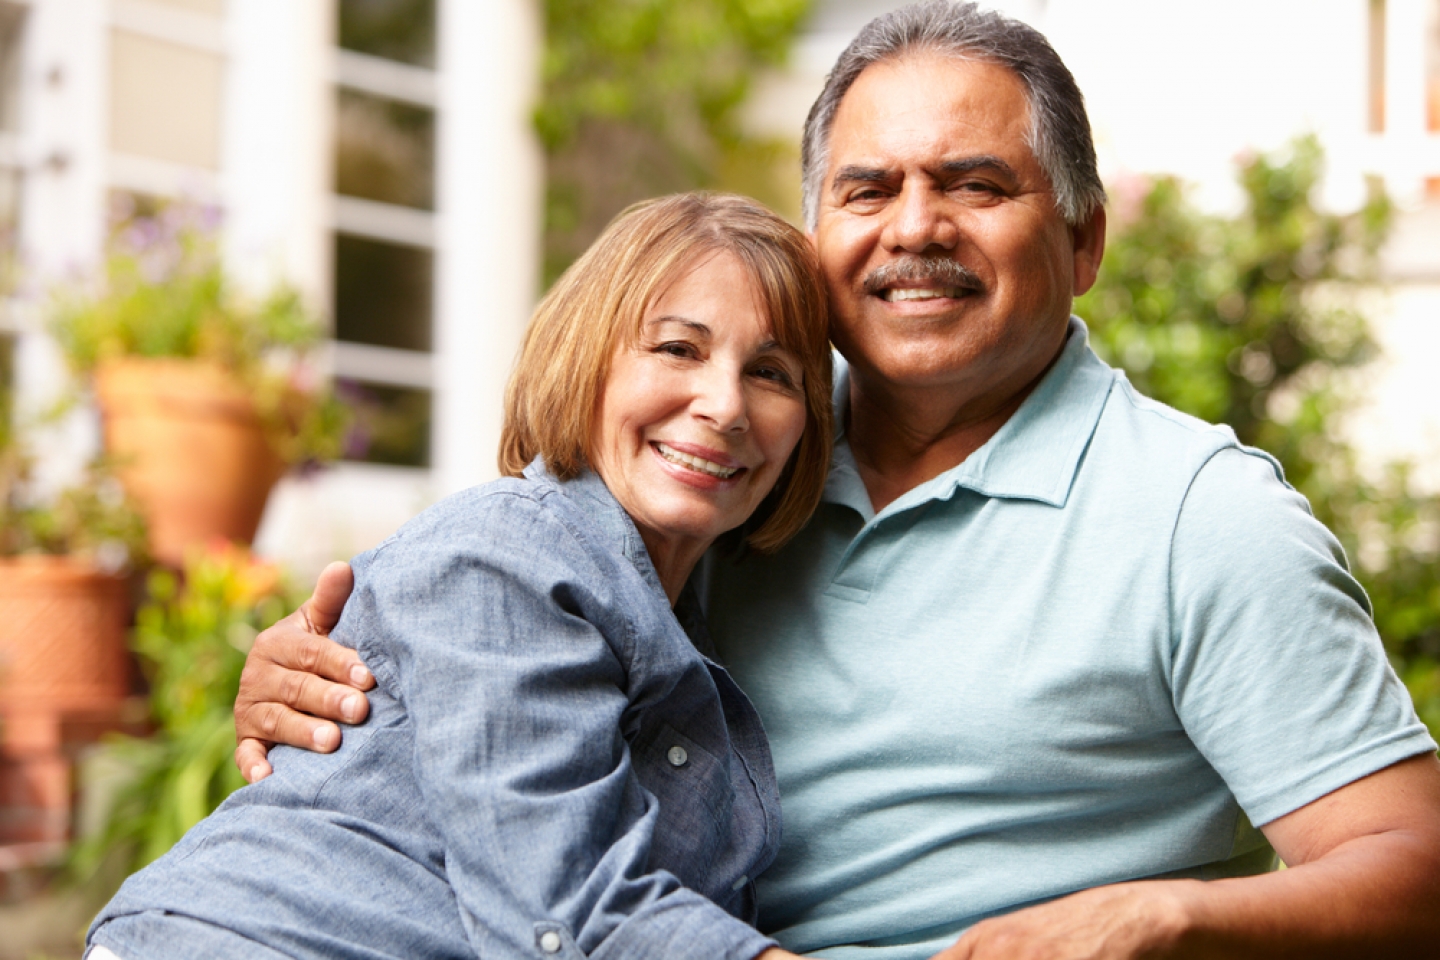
[(1051, 670)]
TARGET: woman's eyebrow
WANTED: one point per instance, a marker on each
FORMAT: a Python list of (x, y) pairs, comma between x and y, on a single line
[(696, 326)]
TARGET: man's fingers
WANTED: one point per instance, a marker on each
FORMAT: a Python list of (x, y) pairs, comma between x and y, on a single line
[(289, 645), (250, 757), (277, 723), (325, 605)]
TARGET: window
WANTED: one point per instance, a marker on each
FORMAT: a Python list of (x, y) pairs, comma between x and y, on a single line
[(384, 263), (12, 22)]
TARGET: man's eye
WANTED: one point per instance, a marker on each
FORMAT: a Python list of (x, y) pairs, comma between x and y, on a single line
[(867, 196), (976, 188)]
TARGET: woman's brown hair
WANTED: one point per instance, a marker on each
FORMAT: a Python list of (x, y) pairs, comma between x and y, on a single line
[(599, 303)]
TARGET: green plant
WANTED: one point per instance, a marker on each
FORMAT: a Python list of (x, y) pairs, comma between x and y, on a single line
[(642, 97), (1254, 320), (93, 520), (191, 636), (163, 292)]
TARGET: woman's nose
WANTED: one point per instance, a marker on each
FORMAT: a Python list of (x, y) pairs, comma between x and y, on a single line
[(720, 399)]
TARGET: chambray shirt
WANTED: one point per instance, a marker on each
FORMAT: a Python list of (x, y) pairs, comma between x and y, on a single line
[(550, 767)]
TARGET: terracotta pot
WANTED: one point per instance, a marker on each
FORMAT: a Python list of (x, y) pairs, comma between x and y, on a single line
[(189, 448), (62, 657)]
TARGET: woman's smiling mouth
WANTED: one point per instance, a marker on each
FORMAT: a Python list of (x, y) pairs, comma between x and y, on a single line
[(698, 464)]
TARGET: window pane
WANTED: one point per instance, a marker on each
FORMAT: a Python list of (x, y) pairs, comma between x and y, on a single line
[(391, 424), (401, 30), (165, 100), (382, 293), (9, 221), (12, 21), (384, 151)]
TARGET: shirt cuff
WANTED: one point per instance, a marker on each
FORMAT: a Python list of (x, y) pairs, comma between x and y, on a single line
[(679, 926)]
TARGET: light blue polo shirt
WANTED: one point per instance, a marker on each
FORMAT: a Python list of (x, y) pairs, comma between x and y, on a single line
[(1097, 650)]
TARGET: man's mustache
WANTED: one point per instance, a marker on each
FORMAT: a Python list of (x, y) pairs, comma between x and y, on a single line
[(942, 271)]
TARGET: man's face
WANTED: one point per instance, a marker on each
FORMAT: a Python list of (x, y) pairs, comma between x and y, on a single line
[(928, 162)]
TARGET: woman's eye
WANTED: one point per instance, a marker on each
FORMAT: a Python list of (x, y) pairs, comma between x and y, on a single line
[(676, 349), (775, 374)]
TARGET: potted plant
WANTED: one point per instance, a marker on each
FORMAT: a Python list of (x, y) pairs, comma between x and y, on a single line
[(207, 396), (64, 604)]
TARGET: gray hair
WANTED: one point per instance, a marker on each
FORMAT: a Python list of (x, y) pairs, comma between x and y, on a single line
[(1059, 134)]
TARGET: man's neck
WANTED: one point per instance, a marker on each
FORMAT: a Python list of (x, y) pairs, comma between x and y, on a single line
[(901, 438)]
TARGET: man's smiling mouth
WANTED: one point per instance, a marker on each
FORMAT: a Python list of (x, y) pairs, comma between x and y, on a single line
[(697, 464), (897, 294), (915, 277)]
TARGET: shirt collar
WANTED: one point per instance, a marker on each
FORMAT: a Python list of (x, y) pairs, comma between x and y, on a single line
[(601, 506), (605, 510), (1034, 456)]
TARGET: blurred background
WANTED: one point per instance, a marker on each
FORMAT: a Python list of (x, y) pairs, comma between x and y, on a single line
[(402, 178)]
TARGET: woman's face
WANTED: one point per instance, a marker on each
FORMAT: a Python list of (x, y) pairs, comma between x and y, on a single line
[(700, 414)]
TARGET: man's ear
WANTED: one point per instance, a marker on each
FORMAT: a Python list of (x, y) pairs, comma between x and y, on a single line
[(1087, 240)]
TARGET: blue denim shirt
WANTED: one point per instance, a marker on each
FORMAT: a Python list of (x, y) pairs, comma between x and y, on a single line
[(550, 767)]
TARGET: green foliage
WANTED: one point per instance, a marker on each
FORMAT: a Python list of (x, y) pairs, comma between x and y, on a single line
[(192, 637), (640, 98), (1253, 321), (163, 293)]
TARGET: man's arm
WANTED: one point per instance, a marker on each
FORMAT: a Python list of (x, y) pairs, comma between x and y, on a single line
[(1364, 882), (287, 681)]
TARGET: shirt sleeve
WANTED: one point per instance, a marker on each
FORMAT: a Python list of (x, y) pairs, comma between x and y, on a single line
[(504, 644), (1278, 674)]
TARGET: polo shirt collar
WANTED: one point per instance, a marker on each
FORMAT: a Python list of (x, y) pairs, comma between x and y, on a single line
[(1034, 456)]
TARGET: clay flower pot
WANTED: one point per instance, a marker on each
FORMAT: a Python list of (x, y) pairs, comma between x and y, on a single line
[(62, 657), (188, 447)]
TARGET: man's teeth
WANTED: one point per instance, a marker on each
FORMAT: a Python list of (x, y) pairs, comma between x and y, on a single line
[(696, 463), (921, 293)]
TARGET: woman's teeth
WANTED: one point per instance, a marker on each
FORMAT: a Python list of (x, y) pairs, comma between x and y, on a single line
[(696, 463)]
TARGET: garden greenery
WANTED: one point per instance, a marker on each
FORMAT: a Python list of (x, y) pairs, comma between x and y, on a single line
[(191, 637), (1256, 320), (642, 97), (163, 292)]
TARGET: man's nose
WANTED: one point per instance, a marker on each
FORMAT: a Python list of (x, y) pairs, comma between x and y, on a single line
[(720, 399), (918, 221)]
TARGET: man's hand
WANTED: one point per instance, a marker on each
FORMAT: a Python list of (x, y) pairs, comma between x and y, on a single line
[(1364, 881), (1124, 920), (287, 684)]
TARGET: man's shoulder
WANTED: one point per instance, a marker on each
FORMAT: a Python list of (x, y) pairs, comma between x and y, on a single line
[(1151, 437)]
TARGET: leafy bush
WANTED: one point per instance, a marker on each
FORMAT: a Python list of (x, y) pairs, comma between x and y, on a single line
[(642, 97), (1254, 320), (192, 636)]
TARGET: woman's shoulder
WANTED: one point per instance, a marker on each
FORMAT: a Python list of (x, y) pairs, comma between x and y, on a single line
[(533, 527)]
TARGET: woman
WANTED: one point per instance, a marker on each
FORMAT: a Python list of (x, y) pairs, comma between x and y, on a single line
[(550, 766)]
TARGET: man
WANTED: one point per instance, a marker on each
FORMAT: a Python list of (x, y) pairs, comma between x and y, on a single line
[(1047, 649)]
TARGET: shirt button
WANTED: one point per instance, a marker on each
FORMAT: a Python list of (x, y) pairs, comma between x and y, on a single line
[(677, 756), (550, 941)]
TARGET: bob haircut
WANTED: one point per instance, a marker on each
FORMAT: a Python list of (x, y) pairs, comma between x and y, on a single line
[(600, 302)]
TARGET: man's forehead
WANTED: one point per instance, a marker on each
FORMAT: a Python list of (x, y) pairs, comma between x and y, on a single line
[(932, 101)]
